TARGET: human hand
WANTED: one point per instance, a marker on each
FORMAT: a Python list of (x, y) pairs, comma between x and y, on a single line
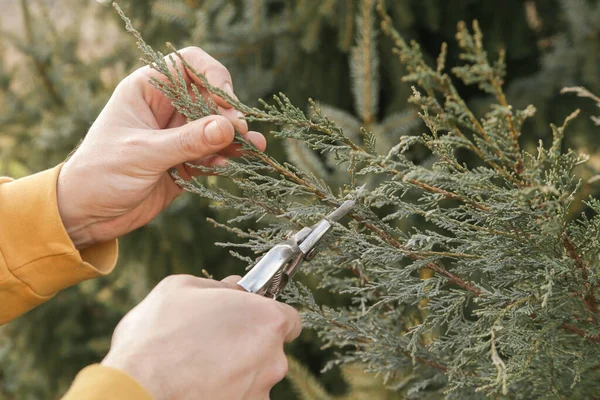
[(194, 338), (117, 179)]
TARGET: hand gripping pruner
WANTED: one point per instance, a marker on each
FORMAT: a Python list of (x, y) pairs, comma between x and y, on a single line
[(272, 272)]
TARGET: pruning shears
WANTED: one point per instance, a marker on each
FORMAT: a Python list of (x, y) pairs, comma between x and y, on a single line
[(273, 271)]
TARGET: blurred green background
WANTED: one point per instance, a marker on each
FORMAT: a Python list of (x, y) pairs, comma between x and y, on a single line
[(61, 59)]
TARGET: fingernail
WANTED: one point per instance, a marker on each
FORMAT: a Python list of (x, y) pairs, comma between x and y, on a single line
[(213, 133), (227, 87)]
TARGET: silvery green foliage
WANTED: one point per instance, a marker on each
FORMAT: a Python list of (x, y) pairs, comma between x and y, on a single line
[(510, 308)]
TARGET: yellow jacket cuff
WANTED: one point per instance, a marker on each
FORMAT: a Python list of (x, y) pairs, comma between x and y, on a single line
[(37, 257), (98, 382)]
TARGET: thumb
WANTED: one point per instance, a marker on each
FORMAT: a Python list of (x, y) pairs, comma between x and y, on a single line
[(194, 140)]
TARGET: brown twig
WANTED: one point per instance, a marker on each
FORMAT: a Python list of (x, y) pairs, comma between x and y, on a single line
[(447, 194), (589, 299), (580, 332)]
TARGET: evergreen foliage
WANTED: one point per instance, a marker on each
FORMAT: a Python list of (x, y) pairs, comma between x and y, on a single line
[(510, 308), (334, 50)]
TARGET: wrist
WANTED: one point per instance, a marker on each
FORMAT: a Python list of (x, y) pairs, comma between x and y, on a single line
[(72, 221)]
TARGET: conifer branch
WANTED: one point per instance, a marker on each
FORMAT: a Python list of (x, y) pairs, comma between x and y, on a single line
[(499, 278), (474, 45), (432, 80)]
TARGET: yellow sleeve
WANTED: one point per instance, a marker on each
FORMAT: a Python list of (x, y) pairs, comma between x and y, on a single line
[(98, 382), (37, 257)]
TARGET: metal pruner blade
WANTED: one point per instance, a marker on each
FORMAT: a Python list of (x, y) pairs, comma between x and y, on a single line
[(272, 272)]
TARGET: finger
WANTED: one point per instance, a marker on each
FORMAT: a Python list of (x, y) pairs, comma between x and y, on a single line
[(216, 74), (192, 141), (231, 279), (203, 167), (235, 150), (187, 171), (257, 139), (232, 115), (204, 283), (139, 83), (293, 321), (236, 117), (176, 121), (220, 160), (177, 281), (231, 282)]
